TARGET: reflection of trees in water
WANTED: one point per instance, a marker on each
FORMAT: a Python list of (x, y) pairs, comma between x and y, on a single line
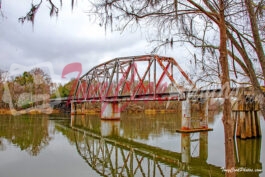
[(29, 133)]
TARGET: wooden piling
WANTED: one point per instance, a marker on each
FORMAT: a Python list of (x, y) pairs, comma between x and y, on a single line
[(246, 116), (247, 124), (257, 124), (241, 126)]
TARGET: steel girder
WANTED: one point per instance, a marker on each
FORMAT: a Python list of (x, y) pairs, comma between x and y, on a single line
[(133, 78)]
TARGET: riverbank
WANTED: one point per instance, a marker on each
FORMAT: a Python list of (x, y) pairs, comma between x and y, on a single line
[(150, 108), (31, 111)]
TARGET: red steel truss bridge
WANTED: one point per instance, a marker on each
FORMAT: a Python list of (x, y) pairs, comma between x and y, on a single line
[(134, 78)]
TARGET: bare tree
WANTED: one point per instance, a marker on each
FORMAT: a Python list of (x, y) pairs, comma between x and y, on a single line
[(181, 21), (53, 6)]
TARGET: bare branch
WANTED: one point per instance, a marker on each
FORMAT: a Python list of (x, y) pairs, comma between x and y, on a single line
[(31, 14)]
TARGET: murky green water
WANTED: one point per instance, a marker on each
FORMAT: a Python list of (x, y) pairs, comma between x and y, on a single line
[(137, 145)]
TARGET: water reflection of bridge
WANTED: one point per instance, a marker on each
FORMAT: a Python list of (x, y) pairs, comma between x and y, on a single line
[(107, 149), (112, 155)]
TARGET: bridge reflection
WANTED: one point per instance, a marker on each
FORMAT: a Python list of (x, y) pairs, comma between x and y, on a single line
[(110, 154), (248, 157), (111, 151)]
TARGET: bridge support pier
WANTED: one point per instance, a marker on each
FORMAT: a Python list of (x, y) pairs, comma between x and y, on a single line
[(186, 115), (186, 145), (110, 110), (188, 148), (204, 114), (198, 121), (247, 123)]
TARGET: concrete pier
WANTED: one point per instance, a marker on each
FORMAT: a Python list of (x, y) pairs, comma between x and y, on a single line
[(194, 120), (186, 115)]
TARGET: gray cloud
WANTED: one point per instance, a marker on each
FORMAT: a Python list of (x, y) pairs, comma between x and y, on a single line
[(68, 38), (63, 40)]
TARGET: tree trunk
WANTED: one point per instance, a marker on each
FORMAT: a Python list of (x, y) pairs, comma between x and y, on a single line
[(225, 81), (259, 51), (256, 35)]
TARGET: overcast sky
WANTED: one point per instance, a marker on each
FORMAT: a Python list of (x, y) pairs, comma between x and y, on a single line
[(70, 37)]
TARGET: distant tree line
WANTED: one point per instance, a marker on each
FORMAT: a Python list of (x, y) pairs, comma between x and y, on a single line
[(29, 89), (64, 90)]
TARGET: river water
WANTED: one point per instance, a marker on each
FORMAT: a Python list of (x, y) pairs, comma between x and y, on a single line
[(136, 145)]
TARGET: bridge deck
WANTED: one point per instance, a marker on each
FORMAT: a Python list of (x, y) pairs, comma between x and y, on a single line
[(173, 96)]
